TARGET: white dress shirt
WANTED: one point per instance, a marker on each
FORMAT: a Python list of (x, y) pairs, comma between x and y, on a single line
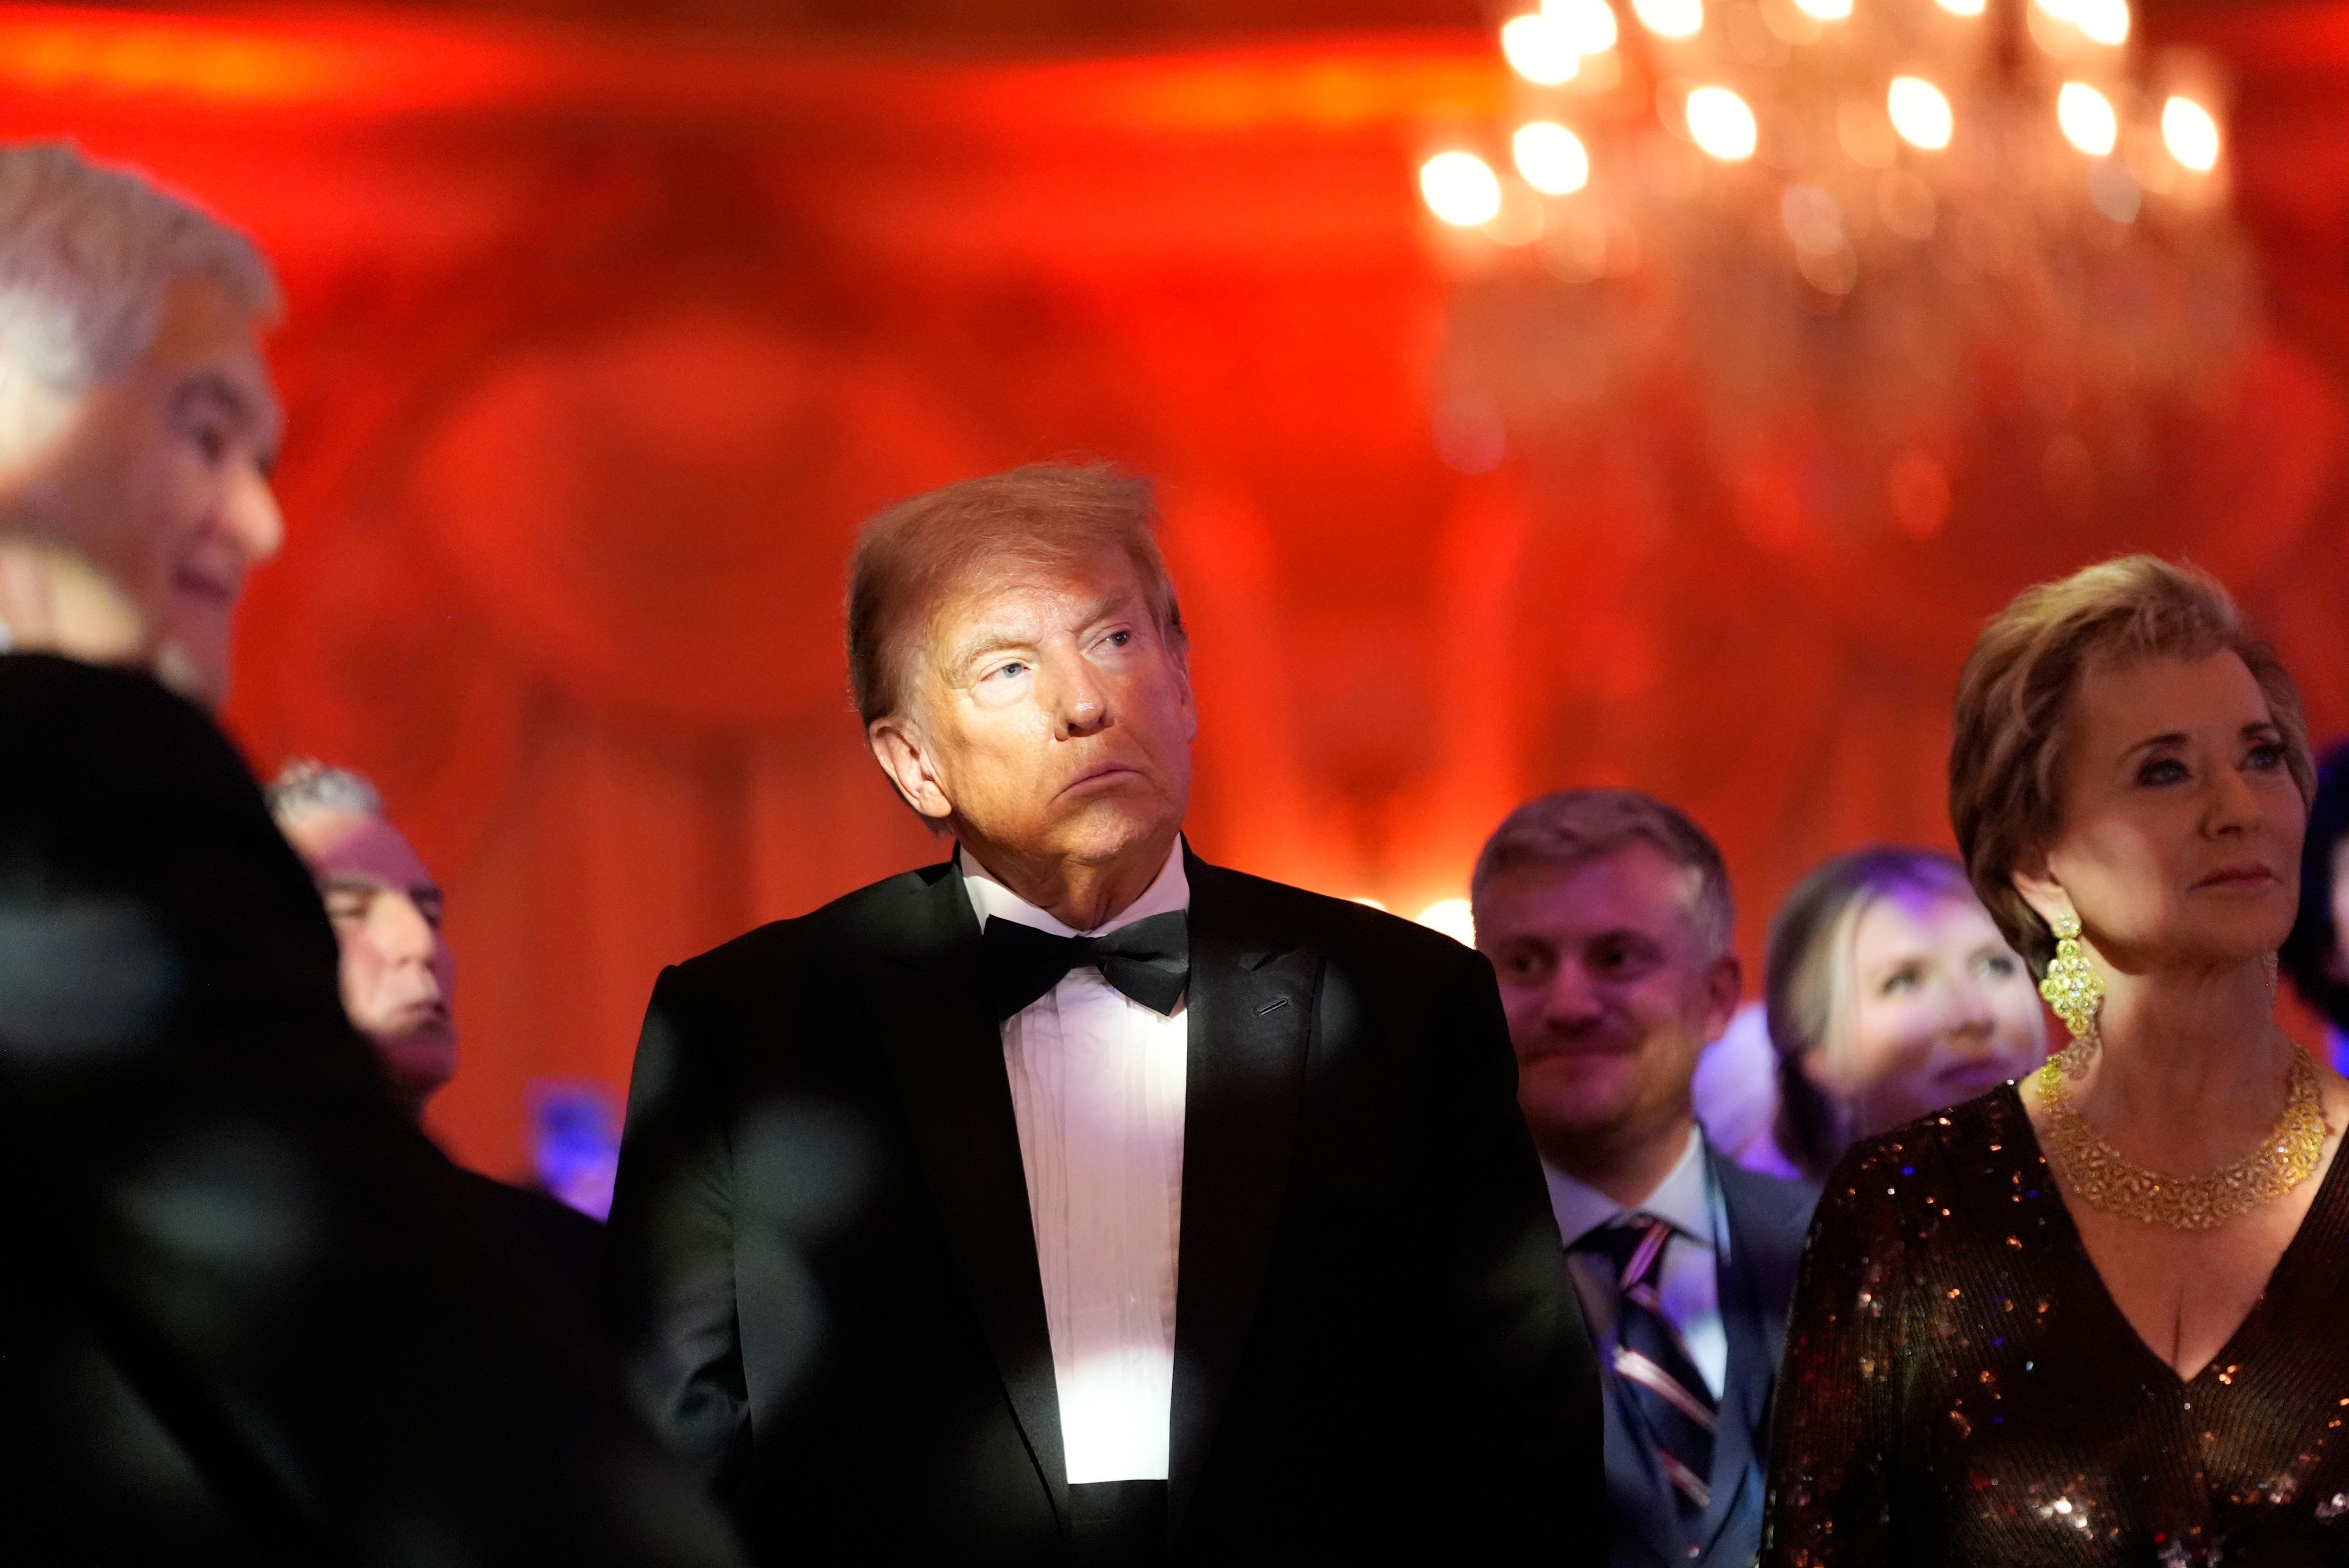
[(1097, 1084), (1690, 1201)]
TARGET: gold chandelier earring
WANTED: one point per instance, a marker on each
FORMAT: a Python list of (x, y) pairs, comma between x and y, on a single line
[(2076, 991)]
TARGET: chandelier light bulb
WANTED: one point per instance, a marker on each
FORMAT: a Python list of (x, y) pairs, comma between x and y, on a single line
[(1590, 24), (1551, 158), (1919, 112), (1961, 8), (1539, 48), (1826, 10), (1721, 124), (1671, 18), (2104, 22), (1461, 189), (1453, 917), (2087, 119), (2062, 10), (2191, 134)]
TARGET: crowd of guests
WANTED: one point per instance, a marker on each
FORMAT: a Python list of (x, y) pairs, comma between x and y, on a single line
[(1077, 1200)]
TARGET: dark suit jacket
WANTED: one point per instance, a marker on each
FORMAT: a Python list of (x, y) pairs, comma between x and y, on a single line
[(821, 1205), (247, 1311), (568, 1244), (1767, 1221)]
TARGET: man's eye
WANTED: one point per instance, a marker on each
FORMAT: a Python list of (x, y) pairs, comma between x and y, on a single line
[(1010, 671), (211, 441), (1120, 639), (2162, 771), (1617, 961)]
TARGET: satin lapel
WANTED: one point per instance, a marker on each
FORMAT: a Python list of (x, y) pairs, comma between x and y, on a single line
[(945, 1050), (1251, 1009)]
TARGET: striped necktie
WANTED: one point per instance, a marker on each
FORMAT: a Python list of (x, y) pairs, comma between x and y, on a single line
[(1670, 1394)]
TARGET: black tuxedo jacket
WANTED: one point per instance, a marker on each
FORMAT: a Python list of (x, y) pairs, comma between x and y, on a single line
[(822, 1208), (247, 1311), (1768, 1218)]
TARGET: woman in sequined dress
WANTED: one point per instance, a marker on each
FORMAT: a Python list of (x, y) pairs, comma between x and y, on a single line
[(2101, 1315)]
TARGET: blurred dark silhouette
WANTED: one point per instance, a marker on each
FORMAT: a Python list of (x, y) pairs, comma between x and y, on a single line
[(249, 1314)]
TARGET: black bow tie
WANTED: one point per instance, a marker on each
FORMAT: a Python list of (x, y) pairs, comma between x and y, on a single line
[(1149, 960)]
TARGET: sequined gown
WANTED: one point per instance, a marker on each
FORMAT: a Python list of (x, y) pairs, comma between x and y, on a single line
[(1959, 1389)]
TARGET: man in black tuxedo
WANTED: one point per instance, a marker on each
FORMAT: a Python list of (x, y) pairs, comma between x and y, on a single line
[(1607, 915), (247, 1312), (1076, 1201)]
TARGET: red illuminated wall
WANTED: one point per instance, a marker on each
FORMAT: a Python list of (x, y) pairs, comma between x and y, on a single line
[(599, 347)]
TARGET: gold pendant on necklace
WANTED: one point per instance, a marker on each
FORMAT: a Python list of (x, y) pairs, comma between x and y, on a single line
[(2109, 1180)]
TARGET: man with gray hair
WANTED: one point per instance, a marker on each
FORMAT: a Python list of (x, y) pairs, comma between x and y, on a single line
[(248, 1313), (1606, 915), (1076, 1201), (398, 975), (137, 423), (399, 981)]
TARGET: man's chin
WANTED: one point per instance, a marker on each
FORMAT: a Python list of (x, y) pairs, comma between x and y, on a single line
[(1112, 824), (422, 1061), (195, 671), (1581, 1092)]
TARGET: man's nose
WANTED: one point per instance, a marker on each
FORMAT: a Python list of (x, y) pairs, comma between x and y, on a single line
[(1573, 999), (401, 933), (255, 526), (1079, 702)]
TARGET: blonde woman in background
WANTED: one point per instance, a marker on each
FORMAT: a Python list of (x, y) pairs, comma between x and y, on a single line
[(1890, 994)]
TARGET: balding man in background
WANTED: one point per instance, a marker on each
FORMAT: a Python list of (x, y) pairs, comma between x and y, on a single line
[(246, 1315), (1076, 1201)]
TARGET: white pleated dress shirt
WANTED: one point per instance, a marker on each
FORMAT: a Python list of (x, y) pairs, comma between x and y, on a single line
[(1097, 1084), (1689, 1283)]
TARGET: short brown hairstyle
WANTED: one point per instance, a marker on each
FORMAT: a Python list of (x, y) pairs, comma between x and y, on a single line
[(1045, 517), (1570, 829), (2011, 724)]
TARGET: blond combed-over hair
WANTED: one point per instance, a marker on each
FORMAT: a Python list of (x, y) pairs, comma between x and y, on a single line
[(1030, 522), (2011, 721), (1571, 829)]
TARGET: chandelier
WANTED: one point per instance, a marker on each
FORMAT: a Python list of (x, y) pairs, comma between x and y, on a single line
[(1874, 217)]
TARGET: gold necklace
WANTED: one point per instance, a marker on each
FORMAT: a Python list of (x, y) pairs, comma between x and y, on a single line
[(2105, 1179)]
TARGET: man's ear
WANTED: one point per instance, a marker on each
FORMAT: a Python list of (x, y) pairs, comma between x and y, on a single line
[(897, 747), (1724, 982), (1190, 707)]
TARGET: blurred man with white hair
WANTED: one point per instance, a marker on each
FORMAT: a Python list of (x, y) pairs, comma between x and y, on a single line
[(137, 423), (248, 1312)]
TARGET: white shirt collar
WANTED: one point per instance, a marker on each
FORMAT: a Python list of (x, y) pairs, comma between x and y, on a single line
[(1171, 890), (1683, 1199)]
